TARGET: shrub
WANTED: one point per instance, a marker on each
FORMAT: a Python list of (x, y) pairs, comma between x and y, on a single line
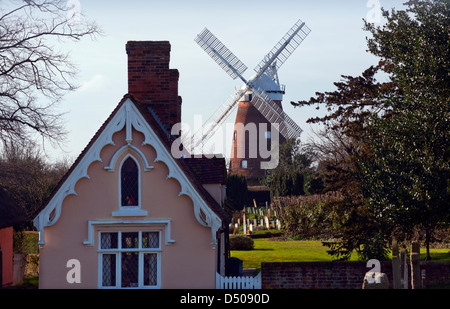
[(308, 217), (241, 242)]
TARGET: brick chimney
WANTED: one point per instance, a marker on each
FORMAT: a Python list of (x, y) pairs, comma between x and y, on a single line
[(152, 82)]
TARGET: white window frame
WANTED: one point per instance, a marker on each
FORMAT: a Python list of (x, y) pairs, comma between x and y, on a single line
[(130, 210), (118, 253)]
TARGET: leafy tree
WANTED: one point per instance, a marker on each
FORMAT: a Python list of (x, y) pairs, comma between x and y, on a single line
[(406, 177), (392, 162)]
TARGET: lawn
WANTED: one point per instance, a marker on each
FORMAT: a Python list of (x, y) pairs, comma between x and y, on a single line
[(267, 250)]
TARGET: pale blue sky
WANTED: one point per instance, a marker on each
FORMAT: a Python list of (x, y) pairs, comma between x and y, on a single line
[(336, 46)]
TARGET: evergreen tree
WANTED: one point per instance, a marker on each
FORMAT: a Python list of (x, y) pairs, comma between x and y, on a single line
[(237, 192), (392, 164)]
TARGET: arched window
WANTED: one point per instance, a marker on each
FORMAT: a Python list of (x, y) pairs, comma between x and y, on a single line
[(129, 183)]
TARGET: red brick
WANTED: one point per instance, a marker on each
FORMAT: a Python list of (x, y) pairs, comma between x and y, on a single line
[(151, 81)]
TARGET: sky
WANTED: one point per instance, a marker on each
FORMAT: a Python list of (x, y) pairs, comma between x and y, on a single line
[(250, 29)]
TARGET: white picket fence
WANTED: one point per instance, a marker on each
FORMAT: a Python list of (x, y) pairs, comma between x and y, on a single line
[(238, 282)]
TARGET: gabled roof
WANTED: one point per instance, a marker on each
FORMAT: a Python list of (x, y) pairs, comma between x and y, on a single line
[(208, 170), (10, 213), (194, 176), (166, 139)]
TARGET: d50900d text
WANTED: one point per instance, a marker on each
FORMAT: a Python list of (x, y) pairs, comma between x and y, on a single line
[(246, 298)]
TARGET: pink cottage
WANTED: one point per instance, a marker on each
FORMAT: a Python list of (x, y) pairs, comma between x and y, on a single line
[(128, 214)]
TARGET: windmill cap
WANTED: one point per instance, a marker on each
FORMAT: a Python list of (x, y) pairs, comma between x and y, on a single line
[(269, 86)]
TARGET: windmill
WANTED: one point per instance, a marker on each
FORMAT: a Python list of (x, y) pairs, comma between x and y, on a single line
[(262, 92)]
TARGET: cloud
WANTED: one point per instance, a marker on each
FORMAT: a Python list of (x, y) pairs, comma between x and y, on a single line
[(95, 82)]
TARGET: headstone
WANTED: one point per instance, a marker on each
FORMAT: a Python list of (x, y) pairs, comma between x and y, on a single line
[(415, 266), (266, 221), (404, 269), (424, 277), (375, 280), (395, 266), (278, 224)]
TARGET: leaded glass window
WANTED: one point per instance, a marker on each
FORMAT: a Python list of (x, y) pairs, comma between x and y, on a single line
[(130, 269), (150, 269), (130, 240), (109, 270), (150, 240), (129, 183), (129, 259), (108, 241)]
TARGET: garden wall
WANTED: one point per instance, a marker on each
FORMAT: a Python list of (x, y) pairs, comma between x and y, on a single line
[(338, 275)]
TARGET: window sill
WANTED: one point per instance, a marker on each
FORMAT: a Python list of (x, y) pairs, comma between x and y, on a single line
[(130, 213)]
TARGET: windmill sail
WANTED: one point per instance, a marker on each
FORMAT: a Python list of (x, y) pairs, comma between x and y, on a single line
[(275, 114), (284, 48), (235, 68), (217, 119), (221, 54)]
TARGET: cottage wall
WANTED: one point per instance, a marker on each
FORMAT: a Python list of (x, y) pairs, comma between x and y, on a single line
[(188, 262)]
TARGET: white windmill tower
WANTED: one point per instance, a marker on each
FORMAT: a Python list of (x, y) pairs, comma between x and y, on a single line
[(259, 99)]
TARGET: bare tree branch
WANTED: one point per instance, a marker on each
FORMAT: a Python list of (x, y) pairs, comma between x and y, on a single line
[(34, 73)]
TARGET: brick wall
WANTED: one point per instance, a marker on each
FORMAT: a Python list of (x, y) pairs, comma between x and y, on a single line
[(437, 273), (337, 275), (151, 81)]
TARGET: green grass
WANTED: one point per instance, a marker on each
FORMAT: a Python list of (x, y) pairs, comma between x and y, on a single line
[(436, 254), (267, 250), (282, 251)]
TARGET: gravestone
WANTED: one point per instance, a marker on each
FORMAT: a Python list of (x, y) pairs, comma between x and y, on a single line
[(375, 280), (266, 221), (395, 266), (404, 269), (415, 266)]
